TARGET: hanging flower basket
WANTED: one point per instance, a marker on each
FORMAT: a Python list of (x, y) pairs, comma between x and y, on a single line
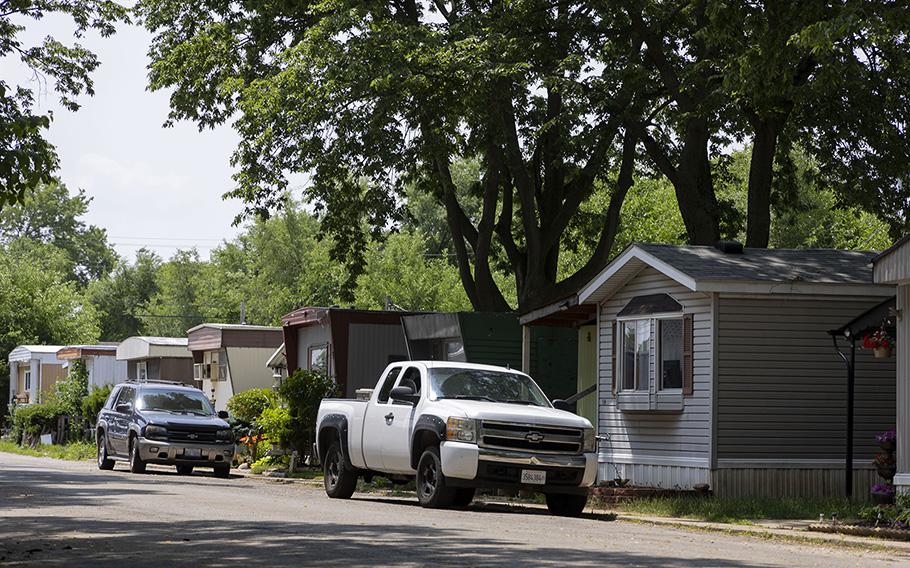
[(881, 344), (882, 352), (887, 440)]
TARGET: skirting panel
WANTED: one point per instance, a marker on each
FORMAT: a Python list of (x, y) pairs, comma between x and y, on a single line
[(790, 482), (662, 476)]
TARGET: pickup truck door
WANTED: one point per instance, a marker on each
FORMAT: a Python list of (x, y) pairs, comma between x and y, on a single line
[(374, 420), (398, 425)]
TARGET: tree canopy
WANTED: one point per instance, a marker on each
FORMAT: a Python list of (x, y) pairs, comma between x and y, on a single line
[(26, 156), (556, 102)]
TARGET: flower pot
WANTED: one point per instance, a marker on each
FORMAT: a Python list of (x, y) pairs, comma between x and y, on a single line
[(881, 352), (888, 446)]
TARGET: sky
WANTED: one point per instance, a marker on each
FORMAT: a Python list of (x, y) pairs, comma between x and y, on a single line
[(151, 186)]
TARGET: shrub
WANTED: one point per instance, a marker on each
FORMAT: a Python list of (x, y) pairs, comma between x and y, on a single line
[(70, 391), (247, 406), (302, 392), (274, 422), (92, 404), (31, 420)]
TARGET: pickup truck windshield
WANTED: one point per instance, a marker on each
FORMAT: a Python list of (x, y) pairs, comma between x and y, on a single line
[(175, 402), (478, 384)]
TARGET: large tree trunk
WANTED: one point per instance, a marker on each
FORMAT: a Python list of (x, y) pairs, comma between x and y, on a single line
[(761, 176), (695, 187)]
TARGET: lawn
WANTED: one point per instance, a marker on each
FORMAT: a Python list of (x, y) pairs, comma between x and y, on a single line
[(76, 451), (740, 510)]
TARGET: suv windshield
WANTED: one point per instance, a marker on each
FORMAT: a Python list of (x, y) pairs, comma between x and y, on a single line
[(478, 384), (175, 401)]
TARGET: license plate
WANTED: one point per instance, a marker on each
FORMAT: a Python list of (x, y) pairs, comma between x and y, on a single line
[(192, 453), (533, 477)]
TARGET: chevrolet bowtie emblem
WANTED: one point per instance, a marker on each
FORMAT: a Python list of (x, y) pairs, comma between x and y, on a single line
[(534, 437)]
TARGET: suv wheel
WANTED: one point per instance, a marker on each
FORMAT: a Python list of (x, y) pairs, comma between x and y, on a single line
[(222, 471), (432, 491), (104, 462), (340, 480), (184, 469), (566, 505), (136, 463)]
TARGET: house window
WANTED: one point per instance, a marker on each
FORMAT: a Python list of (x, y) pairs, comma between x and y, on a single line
[(28, 380), (635, 365), (319, 359), (142, 371), (670, 347)]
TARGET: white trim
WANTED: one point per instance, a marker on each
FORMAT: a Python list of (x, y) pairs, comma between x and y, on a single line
[(654, 460), (778, 463), (657, 316), (633, 252), (902, 479)]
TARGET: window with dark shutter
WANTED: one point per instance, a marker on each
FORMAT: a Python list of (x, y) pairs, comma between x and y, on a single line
[(613, 357), (688, 348)]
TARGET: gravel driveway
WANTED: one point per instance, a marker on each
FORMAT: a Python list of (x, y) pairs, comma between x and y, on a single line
[(56, 513)]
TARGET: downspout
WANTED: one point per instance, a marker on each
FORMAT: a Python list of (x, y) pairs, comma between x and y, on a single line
[(851, 379)]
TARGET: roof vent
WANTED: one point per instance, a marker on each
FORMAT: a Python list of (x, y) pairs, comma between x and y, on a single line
[(729, 247)]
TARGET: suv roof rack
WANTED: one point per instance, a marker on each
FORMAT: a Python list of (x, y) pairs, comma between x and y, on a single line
[(155, 381)]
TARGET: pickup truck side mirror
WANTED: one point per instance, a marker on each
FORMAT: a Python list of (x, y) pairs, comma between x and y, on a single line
[(405, 394), (560, 404)]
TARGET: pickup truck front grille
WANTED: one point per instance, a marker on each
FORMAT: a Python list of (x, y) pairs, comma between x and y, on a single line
[(531, 438), (195, 436)]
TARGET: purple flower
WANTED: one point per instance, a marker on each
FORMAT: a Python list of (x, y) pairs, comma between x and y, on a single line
[(883, 489), (888, 436)]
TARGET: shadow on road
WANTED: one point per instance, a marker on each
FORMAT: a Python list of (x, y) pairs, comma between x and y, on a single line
[(483, 507), (47, 541)]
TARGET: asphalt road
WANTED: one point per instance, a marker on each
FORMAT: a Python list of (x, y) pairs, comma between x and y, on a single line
[(56, 513)]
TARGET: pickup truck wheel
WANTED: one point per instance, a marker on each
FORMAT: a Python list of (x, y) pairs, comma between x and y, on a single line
[(432, 491), (184, 469), (340, 481), (566, 505), (136, 463), (221, 471), (463, 496), (104, 462)]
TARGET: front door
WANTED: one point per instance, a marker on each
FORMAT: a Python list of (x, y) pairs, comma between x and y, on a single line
[(396, 440), (374, 423)]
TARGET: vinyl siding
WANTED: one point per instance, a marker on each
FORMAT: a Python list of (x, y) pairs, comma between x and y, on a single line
[(781, 392), (675, 445), (371, 347)]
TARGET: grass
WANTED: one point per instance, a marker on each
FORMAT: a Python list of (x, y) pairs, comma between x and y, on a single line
[(742, 511), (76, 451)]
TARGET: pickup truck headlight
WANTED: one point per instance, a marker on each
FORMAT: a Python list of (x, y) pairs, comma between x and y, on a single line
[(461, 430), (590, 441), (153, 432), (224, 436)]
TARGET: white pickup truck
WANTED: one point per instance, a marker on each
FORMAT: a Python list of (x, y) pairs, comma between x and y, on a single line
[(457, 427)]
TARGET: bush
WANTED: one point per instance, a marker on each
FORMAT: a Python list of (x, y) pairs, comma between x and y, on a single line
[(32, 420), (70, 391), (92, 404), (274, 422), (247, 406), (302, 392)]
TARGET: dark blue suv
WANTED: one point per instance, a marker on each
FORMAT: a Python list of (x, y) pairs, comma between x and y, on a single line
[(163, 423)]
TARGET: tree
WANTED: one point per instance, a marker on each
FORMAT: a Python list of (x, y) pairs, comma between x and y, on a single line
[(39, 304), (782, 74), (50, 214), (26, 157), (398, 272), (123, 295), (178, 303), (369, 98)]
